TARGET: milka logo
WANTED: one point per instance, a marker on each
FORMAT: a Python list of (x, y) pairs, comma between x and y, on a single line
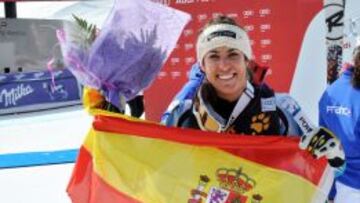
[(340, 110), (14, 94)]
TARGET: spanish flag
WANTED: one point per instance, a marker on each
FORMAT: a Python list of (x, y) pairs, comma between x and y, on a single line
[(126, 160)]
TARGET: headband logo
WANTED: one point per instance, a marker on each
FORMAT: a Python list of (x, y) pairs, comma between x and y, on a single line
[(221, 33)]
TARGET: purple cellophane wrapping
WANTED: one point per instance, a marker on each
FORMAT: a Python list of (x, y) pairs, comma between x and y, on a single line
[(134, 43)]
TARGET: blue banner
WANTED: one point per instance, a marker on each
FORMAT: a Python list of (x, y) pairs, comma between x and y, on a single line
[(35, 90), (29, 159)]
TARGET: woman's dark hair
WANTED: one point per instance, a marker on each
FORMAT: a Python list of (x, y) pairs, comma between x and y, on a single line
[(356, 75)]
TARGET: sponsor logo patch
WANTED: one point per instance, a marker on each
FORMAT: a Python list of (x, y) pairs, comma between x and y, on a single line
[(268, 104)]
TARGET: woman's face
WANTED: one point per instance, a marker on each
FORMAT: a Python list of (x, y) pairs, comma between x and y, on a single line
[(225, 69)]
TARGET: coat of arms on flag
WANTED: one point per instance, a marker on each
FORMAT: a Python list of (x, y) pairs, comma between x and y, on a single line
[(234, 186)]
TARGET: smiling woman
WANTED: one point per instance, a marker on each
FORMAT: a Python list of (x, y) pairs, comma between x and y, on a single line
[(228, 100)]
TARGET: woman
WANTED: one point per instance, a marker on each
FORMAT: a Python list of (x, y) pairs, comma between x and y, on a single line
[(228, 101), (340, 112)]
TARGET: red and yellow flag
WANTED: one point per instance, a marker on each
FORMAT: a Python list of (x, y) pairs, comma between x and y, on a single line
[(125, 160)]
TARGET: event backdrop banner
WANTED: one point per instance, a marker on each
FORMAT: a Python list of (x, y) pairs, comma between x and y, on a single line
[(125, 160), (276, 28)]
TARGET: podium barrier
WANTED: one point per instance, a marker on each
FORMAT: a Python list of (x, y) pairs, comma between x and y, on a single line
[(34, 91)]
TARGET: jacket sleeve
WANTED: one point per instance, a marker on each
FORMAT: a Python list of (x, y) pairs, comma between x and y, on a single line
[(175, 110), (182, 99), (188, 91), (322, 122), (286, 105), (322, 104)]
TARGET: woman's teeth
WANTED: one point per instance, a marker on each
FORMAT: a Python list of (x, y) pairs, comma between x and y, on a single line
[(225, 77)]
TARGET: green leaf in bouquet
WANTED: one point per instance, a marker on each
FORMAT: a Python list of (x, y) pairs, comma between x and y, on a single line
[(87, 32)]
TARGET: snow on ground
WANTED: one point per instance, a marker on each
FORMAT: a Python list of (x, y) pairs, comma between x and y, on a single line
[(49, 130), (42, 184)]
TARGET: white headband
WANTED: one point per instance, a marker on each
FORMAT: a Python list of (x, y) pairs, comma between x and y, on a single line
[(220, 35)]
